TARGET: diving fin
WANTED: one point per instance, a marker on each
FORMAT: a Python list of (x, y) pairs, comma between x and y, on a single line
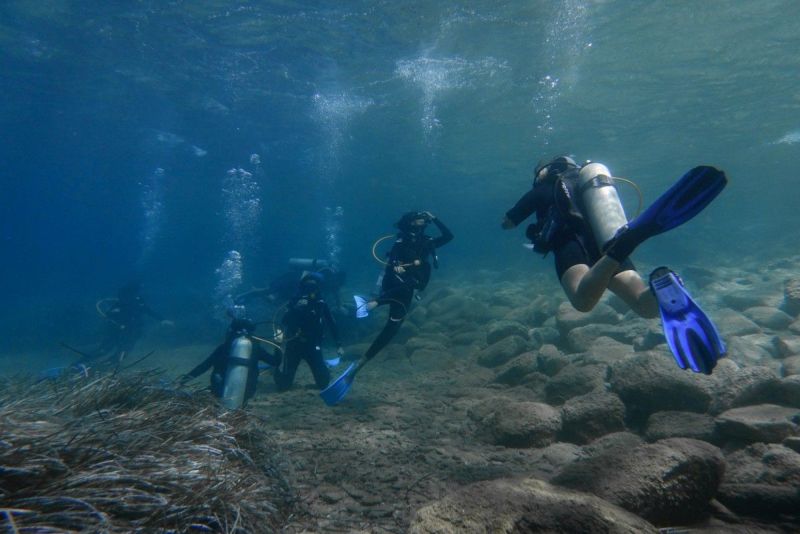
[(336, 391), (361, 307), (333, 362), (691, 336), (679, 204)]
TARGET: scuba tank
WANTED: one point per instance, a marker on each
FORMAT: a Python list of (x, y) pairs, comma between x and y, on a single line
[(236, 374), (307, 264), (600, 202)]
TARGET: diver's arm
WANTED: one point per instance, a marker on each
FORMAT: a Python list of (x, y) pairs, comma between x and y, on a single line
[(206, 364), (446, 236), (523, 209)]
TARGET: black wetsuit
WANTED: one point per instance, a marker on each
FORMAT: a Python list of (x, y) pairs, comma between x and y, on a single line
[(124, 327), (573, 243), (218, 362), (304, 324), (397, 289)]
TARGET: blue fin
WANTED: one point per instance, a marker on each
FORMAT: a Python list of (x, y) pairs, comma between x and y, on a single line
[(691, 336), (361, 307), (336, 391), (679, 204), (333, 362)]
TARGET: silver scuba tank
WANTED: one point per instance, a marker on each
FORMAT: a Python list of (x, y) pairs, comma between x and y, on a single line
[(600, 200), (233, 392), (309, 264)]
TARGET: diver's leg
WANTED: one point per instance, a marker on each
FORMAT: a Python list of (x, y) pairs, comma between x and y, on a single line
[(397, 313), (629, 286), (284, 378), (322, 376)]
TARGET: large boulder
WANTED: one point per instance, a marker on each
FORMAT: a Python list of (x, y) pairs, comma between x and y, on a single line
[(669, 424), (550, 360), (764, 423), (651, 382), (762, 479), (574, 380), (668, 482), (791, 297), (502, 351), (583, 338), (514, 372), (523, 506), (732, 323), (591, 416), (568, 317), (502, 329), (516, 424), (732, 385), (768, 317)]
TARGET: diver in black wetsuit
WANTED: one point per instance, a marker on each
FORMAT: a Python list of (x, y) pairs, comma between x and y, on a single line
[(408, 270), (582, 268), (304, 323), (218, 360), (284, 287), (124, 326)]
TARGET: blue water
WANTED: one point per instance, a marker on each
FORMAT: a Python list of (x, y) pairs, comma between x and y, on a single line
[(125, 126)]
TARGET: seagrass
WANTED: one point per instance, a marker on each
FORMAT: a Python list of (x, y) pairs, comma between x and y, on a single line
[(122, 453)]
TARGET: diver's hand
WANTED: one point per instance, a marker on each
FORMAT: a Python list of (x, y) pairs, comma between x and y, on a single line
[(340, 351), (399, 269), (430, 216), (507, 224), (278, 337)]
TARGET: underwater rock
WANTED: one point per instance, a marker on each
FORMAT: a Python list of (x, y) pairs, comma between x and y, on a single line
[(791, 297), (583, 338), (551, 460), (668, 482), (764, 423), (768, 317), (751, 350), (786, 346), (795, 327), (671, 424), (604, 350), (550, 360), (516, 424), (791, 366), (574, 380), (513, 373), (650, 338), (568, 317), (502, 351), (591, 416), (762, 479), (741, 300), (499, 330), (732, 385), (616, 441), (544, 335), (651, 382), (733, 323), (514, 506)]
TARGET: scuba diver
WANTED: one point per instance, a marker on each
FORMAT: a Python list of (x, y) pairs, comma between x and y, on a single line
[(304, 323), (284, 287), (124, 325), (234, 364), (407, 271), (580, 218)]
